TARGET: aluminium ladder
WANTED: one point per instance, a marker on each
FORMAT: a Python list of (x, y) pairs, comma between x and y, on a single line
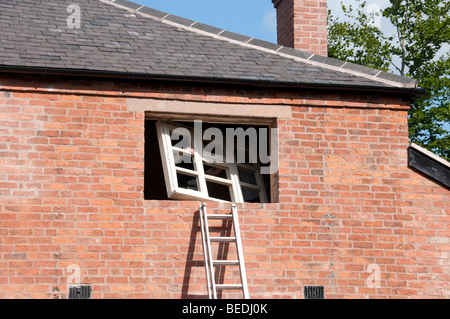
[(213, 287)]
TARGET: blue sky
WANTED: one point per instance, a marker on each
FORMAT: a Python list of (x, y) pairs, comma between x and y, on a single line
[(255, 18)]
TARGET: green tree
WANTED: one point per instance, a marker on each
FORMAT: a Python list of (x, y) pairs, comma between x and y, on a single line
[(422, 32)]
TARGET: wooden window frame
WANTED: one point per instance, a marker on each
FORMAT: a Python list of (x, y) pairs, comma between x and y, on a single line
[(233, 181)]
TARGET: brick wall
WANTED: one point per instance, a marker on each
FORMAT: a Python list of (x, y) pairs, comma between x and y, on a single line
[(302, 24), (350, 211)]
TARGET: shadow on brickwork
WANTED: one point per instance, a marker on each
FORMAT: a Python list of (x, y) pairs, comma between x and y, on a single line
[(222, 253)]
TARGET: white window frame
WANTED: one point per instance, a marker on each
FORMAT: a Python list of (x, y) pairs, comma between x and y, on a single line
[(232, 170)]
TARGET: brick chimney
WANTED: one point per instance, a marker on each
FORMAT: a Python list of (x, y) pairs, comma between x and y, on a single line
[(302, 24)]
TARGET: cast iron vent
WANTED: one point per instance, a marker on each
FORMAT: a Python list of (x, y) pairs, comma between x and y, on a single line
[(80, 292), (314, 292)]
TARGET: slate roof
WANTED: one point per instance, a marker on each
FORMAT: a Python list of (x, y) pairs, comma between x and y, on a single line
[(429, 164), (124, 39)]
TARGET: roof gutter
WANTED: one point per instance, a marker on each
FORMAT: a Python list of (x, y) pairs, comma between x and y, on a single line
[(44, 71)]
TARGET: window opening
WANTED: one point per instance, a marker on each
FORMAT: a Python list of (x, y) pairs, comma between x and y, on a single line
[(206, 164)]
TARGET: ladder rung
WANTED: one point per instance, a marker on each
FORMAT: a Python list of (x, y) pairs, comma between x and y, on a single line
[(223, 239), (226, 262), (225, 286), (220, 216), (210, 263)]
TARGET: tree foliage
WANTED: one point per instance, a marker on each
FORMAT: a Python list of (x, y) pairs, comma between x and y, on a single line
[(422, 33)]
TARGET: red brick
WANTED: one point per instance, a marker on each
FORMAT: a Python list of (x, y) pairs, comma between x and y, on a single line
[(347, 199)]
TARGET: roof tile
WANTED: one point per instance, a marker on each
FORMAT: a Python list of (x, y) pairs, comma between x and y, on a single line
[(122, 36)]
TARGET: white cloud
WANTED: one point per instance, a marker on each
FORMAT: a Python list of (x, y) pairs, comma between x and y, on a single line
[(268, 23)]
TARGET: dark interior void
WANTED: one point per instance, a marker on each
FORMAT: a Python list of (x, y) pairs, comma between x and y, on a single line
[(154, 182)]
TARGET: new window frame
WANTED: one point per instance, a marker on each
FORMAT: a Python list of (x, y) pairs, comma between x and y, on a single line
[(233, 181)]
